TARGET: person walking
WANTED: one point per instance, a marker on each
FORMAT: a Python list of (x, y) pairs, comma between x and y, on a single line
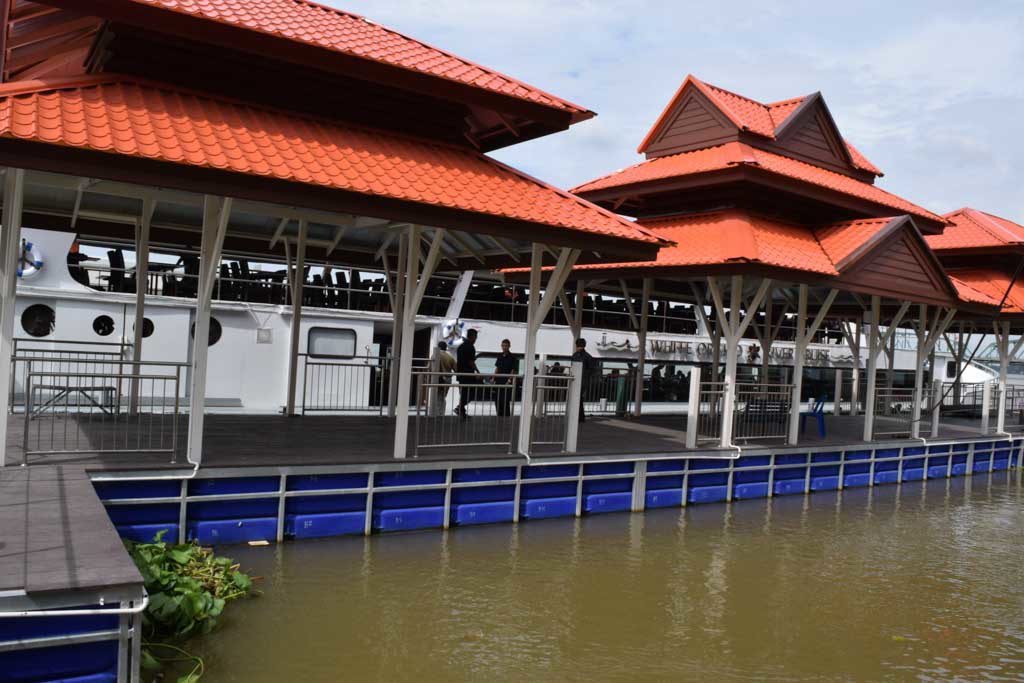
[(581, 355), (506, 366), (466, 371)]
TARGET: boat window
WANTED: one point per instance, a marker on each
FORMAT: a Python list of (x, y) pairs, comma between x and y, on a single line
[(951, 369), (215, 331), (103, 325), (331, 342), (38, 320), (147, 328)]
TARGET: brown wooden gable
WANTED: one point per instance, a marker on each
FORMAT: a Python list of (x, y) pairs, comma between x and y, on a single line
[(898, 265), (693, 122), (811, 135)]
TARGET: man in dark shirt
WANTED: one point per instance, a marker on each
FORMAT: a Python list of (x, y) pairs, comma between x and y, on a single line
[(589, 365), (465, 367), (504, 365)]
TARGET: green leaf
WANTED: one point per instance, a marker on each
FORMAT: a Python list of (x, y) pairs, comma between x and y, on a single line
[(180, 555), (241, 580), (149, 662)]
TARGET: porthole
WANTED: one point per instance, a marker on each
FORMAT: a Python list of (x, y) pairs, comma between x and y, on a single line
[(103, 325), (37, 320), (215, 331), (147, 328)]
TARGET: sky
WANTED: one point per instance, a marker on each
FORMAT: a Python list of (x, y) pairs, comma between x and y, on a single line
[(931, 92)]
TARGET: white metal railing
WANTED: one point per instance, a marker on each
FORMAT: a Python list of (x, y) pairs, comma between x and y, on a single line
[(762, 411), (554, 411), (893, 411), (464, 410), (706, 412), (60, 355), (356, 384), (133, 409), (609, 393)]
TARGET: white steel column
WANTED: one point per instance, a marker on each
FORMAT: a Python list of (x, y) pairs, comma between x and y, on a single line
[(141, 285), (733, 327), (298, 292), (641, 360), (928, 335), (693, 408), (536, 311), (529, 353), (919, 358), (804, 334), (216, 212), (14, 189), (411, 249), (876, 343), (1003, 338), (852, 334), (869, 399), (397, 286), (415, 288)]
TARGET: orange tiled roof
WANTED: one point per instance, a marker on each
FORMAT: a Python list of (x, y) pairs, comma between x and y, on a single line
[(121, 116), (334, 29), (988, 286), (731, 236), (753, 116), (734, 154), (973, 229), (841, 240)]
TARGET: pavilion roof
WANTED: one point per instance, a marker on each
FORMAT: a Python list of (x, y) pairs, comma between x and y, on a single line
[(335, 30), (739, 155), (973, 229), (128, 118)]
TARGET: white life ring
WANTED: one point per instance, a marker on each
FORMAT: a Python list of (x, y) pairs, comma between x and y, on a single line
[(453, 333), (30, 260)]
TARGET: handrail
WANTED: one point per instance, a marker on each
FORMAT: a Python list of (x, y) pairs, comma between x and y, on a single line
[(91, 612)]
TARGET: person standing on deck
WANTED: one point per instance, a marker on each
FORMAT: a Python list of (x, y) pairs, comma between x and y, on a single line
[(589, 365), (445, 367), (505, 365), (465, 368)]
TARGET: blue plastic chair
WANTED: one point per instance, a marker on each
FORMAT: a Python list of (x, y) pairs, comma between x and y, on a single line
[(817, 411)]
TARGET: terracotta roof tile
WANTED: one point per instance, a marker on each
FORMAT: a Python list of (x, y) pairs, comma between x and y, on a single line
[(333, 29), (120, 116), (734, 154), (841, 240), (973, 229), (989, 286), (732, 236)]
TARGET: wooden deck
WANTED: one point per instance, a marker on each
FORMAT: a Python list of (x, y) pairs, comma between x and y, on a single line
[(233, 440), (72, 546)]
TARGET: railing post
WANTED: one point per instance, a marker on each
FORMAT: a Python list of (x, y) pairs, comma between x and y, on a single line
[(693, 408), (986, 405), (936, 406), (540, 407), (573, 401)]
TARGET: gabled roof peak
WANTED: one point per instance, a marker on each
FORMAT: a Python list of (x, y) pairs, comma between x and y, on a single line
[(767, 120)]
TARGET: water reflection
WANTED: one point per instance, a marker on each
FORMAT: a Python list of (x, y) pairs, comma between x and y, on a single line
[(922, 581)]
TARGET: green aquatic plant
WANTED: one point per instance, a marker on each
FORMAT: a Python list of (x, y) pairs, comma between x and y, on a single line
[(188, 588)]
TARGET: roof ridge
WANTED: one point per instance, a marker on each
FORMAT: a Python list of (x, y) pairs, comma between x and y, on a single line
[(991, 218)]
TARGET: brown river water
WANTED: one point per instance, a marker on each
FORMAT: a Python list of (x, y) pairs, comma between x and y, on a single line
[(914, 582)]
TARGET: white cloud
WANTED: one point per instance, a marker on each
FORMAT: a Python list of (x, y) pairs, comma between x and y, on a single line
[(930, 91)]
